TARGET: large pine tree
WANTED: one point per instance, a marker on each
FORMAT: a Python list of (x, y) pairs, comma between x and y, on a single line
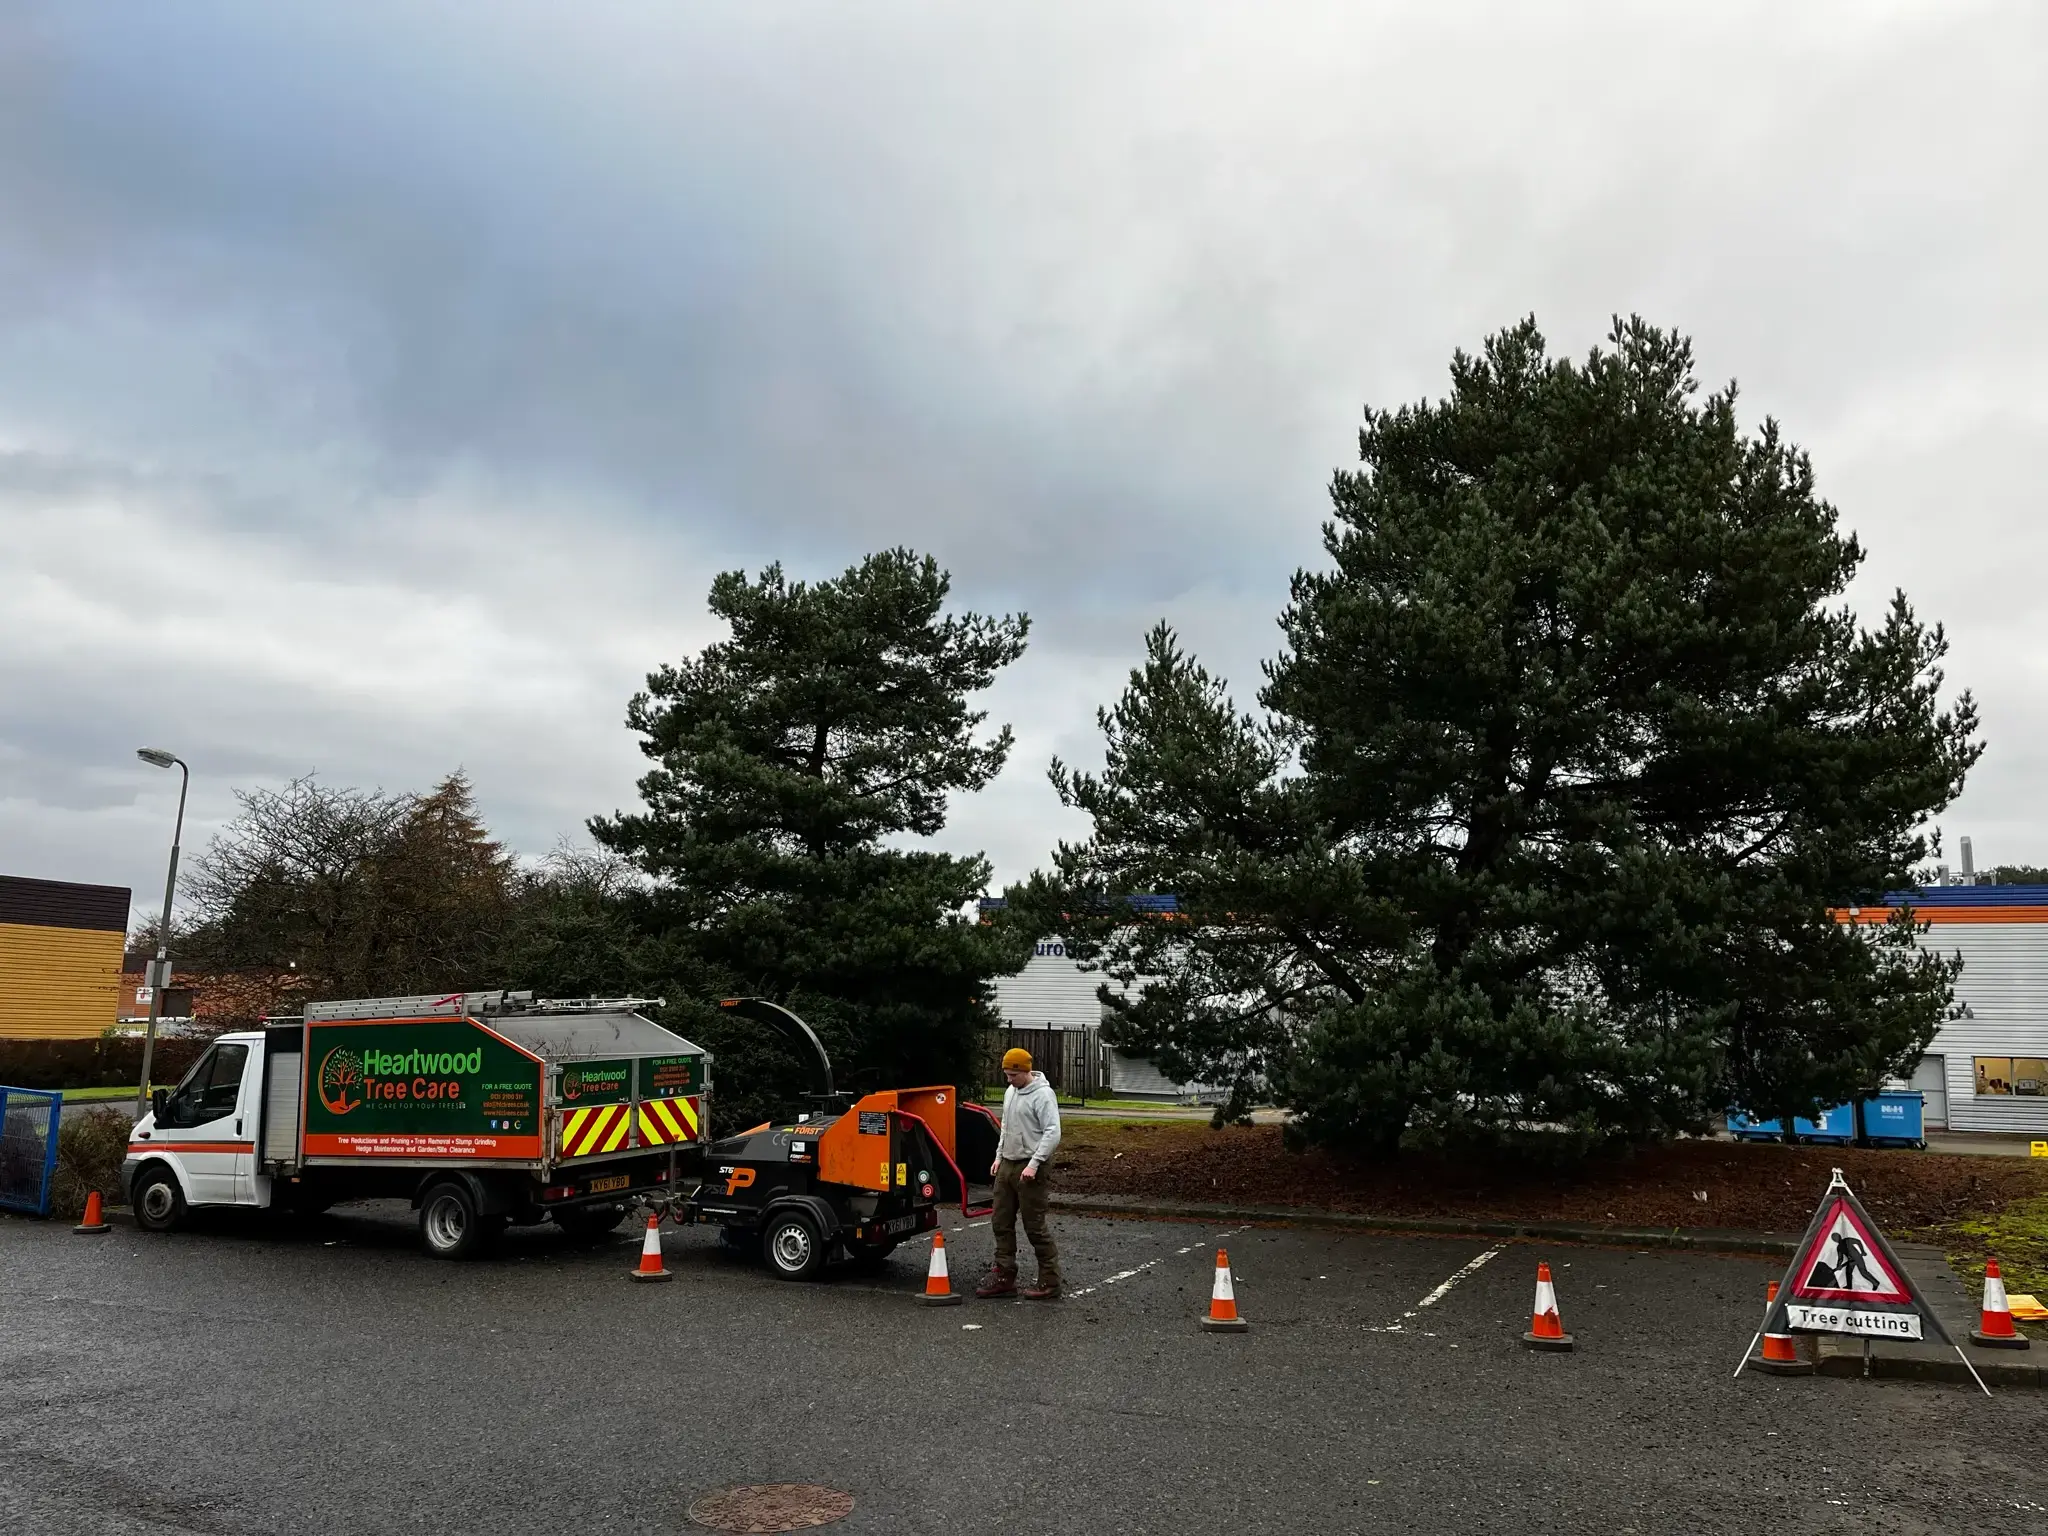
[(1571, 751), (793, 760)]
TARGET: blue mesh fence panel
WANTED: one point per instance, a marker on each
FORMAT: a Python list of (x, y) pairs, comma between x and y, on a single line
[(28, 1148)]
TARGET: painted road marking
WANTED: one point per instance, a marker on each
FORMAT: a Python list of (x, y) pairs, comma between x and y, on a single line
[(1438, 1294), (1132, 1274)]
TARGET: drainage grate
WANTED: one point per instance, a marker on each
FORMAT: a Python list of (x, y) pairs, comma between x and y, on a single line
[(758, 1508)]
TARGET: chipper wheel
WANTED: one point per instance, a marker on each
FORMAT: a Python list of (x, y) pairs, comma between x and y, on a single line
[(792, 1245)]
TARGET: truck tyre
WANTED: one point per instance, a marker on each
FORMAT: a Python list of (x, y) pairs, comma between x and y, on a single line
[(590, 1221), (791, 1243), (159, 1203), (452, 1225)]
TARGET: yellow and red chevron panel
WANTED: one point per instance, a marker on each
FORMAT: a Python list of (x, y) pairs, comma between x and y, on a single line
[(667, 1122), (595, 1128)]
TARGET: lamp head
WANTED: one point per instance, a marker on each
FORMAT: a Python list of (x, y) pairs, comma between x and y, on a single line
[(156, 755)]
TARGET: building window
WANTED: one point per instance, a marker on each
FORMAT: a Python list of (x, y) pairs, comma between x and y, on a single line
[(2001, 1075)]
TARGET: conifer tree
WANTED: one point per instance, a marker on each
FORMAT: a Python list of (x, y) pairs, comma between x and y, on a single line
[(792, 760), (1572, 755)]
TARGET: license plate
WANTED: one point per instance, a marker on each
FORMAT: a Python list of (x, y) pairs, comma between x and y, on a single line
[(901, 1224), (616, 1181)]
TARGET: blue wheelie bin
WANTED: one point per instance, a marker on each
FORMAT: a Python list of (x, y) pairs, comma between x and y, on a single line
[(1835, 1127), (1896, 1119), (1742, 1128)]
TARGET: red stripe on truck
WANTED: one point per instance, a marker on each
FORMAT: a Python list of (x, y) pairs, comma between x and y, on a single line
[(405, 1144)]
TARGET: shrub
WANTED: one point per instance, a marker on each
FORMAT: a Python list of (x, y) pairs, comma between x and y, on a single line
[(90, 1146)]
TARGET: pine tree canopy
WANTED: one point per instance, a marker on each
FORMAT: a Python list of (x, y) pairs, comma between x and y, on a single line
[(791, 759), (1572, 752)]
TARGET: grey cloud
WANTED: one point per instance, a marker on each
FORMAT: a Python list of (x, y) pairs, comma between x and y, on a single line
[(378, 307)]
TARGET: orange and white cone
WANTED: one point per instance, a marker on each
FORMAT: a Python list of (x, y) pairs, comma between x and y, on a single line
[(1781, 1350), (938, 1280), (1223, 1316), (650, 1253), (95, 1221), (1546, 1330), (1994, 1329)]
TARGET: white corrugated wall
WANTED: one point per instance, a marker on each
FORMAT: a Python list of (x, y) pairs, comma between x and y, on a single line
[(2004, 990), (1051, 992)]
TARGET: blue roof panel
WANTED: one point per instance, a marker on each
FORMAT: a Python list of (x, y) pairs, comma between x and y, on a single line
[(1972, 896)]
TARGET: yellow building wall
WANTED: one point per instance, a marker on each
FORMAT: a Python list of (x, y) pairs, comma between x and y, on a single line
[(58, 983)]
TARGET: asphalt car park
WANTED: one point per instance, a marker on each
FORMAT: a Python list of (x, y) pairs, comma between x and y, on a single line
[(253, 1376)]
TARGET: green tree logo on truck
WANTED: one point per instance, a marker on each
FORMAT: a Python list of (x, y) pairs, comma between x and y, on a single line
[(341, 1080)]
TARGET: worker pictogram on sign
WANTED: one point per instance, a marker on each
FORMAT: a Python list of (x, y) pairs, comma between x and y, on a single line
[(1843, 1263)]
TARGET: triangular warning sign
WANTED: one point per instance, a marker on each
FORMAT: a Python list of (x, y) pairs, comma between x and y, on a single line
[(1844, 1278), (1843, 1262)]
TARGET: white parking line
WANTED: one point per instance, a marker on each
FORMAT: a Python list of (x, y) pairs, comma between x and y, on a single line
[(1438, 1294), (1132, 1274)]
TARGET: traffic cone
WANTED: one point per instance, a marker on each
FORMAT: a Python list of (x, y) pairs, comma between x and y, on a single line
[(938, 1281), (1995, 1330), (1781, 1350), (1223, 1316), (94, 1221), (1545, 1330), (650, 1253)]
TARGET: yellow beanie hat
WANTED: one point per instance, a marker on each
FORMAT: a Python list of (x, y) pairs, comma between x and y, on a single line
[(1016, 1059)]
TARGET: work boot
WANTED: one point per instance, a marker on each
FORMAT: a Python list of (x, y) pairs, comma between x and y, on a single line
[(997, 1282), (1047, 1289)]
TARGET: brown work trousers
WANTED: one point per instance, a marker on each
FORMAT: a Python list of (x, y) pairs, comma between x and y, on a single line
[(1016, 1193)]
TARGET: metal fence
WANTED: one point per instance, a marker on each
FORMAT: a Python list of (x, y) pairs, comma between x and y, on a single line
[(28, 1148)]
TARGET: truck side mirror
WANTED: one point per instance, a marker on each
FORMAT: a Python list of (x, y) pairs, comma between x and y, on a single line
[(157, 1098)]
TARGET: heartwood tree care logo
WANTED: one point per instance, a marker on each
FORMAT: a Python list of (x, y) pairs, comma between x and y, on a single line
[(348, 1078), (595, 1079), (341, 1080)]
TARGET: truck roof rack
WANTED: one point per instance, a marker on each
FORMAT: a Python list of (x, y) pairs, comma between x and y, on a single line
[(460, 1004)]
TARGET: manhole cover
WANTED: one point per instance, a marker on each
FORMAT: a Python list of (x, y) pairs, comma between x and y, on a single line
[(763, 1507)]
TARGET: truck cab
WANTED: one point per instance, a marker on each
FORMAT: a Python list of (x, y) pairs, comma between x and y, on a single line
[(197, 1145)]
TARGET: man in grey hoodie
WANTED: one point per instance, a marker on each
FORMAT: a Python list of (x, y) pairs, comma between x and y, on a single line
[(1030, 1136)]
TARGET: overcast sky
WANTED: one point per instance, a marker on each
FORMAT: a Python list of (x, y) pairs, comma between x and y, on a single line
[(381, 387)]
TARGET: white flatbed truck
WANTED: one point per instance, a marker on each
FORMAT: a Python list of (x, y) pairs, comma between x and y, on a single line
[(483, 1109)]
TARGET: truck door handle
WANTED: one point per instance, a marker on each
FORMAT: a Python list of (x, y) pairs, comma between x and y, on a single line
[(238, 1127)]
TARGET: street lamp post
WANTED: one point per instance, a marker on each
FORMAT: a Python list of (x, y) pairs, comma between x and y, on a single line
[(160, 972)]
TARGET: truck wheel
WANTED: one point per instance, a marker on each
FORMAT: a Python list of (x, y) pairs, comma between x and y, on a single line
[(452, 1225), (590, 1221), (159, 1203), (792, 1246)]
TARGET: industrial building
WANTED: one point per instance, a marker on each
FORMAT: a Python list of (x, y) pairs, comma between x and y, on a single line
[(1052, 1009), (1987, 1069), (60, 958)]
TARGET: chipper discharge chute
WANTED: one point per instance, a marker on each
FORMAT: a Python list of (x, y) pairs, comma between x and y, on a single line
[(855, 1178)]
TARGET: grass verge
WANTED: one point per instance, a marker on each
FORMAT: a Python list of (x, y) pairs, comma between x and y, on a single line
[(2016, 1235)]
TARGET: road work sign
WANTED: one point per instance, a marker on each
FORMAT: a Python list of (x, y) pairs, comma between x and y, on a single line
[(1846, 1279)]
